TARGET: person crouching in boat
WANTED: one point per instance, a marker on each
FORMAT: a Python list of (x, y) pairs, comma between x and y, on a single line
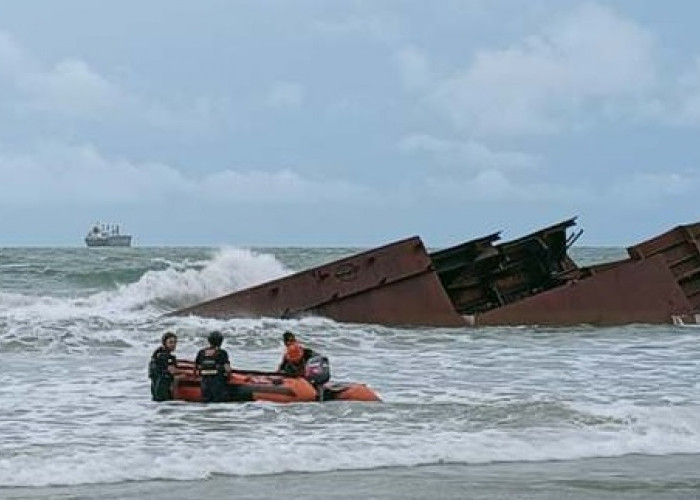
[(300, 361), (162, 368), (213, 365), (295, 356)]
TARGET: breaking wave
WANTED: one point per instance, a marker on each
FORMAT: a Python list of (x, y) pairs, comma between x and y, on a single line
[(129, 299)]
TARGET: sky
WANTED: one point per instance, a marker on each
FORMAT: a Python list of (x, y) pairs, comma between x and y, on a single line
[(347, 123)]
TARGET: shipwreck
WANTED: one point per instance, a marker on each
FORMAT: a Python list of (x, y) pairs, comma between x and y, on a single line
[(527, 281)]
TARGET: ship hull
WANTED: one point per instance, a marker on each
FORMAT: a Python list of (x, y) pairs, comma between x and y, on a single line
[(110, 241), (527, 281)]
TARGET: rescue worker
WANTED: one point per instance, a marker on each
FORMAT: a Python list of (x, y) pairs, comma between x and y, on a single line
[(295, 356), (213, 365), (162, 368)]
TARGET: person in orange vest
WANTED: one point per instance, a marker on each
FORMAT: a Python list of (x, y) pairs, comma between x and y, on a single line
[(295, 356)]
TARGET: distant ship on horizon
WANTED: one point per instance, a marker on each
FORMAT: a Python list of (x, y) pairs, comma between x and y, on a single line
[(107, 235)]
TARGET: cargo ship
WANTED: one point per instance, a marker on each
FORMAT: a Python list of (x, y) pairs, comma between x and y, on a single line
[(107, 235)]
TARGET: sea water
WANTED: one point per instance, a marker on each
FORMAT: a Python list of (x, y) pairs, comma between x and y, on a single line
[(517, 412)]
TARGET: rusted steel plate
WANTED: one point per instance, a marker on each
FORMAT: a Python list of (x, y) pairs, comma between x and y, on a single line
[(393, 285), (419, 300), (456, 257), (679, 235), (479, 276), (529, 280), (642, 291), (680, 248)]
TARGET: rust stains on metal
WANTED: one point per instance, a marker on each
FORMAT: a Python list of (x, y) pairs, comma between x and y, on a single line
[(391, 285), (529, 280), (640, 292), (680, 249), (480, 276)]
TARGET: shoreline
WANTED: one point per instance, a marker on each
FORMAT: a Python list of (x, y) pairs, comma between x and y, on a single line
[(631, 476)]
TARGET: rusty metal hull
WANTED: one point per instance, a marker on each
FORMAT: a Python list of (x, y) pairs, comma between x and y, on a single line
[(390, 285), (480, 276), (641, 292), (659, 281), (526, 281), (680, 249)]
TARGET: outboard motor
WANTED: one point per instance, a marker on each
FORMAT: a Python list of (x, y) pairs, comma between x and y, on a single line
[(318, 370)]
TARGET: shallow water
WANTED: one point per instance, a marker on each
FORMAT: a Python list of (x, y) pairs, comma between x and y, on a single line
[(592, 412)]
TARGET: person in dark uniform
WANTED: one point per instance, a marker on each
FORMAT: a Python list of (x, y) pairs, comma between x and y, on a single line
[(162, 368), (213, 365)]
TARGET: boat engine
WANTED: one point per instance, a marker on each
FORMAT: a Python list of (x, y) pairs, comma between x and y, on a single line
[(318, 370)]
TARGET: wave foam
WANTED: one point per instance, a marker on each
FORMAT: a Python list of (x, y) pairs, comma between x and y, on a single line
[(172, 285), (653, 431)]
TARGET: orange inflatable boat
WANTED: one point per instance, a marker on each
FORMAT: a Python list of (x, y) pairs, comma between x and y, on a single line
[(246, 385)]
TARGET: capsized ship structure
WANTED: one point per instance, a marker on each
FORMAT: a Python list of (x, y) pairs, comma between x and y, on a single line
[(527, 281)]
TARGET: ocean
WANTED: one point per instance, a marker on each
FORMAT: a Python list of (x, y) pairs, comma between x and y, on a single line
[(517, 412)]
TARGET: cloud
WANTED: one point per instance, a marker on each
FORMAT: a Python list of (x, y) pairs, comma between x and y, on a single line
[(80, 175), (285, 95), (652, 187), (414, 68), (682, 105), (372, 27), (467, 155), (495, 186), (55, 175), (71, 88), (13, 59), (634, 190), (581, 62), (281, 186)]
